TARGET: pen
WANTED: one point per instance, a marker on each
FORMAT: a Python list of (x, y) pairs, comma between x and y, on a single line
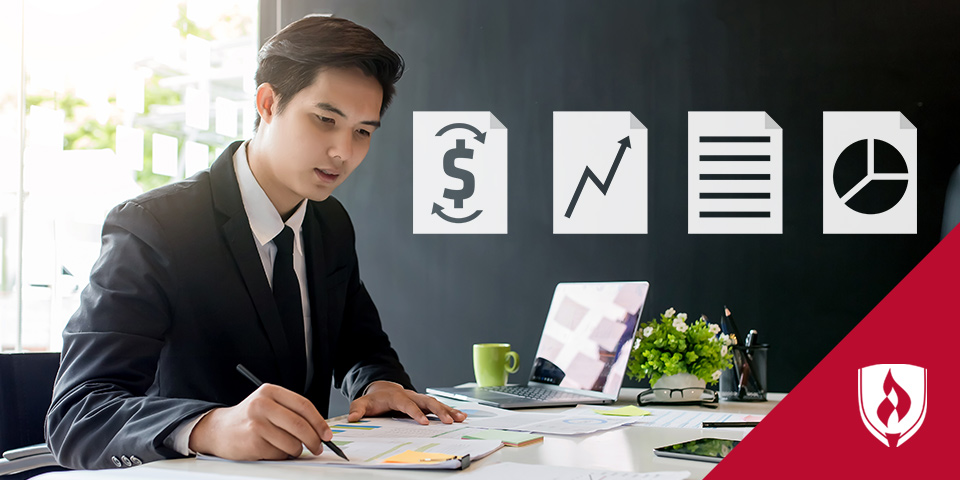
[(729, 327), (728, 424), (256, 381), (751, 342)]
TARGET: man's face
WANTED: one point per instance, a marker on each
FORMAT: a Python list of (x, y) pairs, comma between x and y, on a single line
[(321, 136)]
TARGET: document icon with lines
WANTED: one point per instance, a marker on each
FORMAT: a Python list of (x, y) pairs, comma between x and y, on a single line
[(735, 175), (599, 173)]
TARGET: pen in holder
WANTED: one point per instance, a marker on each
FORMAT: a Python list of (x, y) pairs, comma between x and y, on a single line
[(746, 381)]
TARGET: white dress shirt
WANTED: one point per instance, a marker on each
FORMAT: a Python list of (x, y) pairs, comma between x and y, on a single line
[(266, 223)]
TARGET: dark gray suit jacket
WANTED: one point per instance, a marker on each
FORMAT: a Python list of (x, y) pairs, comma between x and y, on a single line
[(178, 298)]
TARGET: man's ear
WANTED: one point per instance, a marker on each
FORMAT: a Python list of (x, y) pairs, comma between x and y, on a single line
[(266, 102)]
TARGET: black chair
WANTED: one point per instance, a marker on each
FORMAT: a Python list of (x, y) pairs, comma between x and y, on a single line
[(26, 387)]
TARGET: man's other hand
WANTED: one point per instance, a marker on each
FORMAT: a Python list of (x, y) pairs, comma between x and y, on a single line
[(383, 397)]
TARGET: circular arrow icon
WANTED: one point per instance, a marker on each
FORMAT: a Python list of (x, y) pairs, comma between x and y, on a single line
[(438, 210)]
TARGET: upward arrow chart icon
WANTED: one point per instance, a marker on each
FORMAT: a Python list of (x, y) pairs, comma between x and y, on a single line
[(603, 186)]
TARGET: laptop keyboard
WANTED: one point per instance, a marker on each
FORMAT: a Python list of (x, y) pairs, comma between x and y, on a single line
[(538, 393)]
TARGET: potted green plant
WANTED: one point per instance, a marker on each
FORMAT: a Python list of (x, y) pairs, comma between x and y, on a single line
[(676, 355)]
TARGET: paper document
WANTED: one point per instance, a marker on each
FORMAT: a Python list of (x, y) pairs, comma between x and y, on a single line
[(510, 439), (628, 411), (572, 422), (577, 421), (389, 428), (145, 472), (690, 419), (557, 424), (372, 453), (406, 427), (503, 470)]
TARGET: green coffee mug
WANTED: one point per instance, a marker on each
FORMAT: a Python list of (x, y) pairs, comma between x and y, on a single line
[(490, 365)]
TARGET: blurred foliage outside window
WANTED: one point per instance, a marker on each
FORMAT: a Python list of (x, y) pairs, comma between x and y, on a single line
[(78, 57)]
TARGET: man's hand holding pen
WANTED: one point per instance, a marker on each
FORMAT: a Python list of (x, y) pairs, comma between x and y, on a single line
[(272, 423)]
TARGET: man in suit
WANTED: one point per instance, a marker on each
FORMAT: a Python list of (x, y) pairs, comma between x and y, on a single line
[(252, 263)]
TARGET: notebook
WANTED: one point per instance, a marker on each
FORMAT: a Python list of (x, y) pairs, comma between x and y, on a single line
[(583, 351)]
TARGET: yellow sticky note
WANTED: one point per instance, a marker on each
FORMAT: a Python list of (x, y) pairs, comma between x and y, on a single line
[(628, 411), (411, 456)]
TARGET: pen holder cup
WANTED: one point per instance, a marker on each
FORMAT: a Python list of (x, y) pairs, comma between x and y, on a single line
[(746, 380)]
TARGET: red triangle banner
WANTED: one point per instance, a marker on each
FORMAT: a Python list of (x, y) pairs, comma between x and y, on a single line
[(883, 403)]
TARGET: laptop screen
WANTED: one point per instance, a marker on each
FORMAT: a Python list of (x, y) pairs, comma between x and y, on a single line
[(589, 332)]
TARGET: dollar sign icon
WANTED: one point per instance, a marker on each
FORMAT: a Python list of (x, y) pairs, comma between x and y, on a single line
[(450, 168)]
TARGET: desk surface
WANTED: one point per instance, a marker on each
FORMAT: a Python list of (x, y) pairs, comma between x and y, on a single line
[(627, 448)]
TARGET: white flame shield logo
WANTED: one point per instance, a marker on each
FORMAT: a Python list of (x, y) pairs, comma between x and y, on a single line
[(893, 401)]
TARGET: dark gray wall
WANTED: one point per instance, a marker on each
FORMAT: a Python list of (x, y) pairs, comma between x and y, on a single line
[(802, 290)]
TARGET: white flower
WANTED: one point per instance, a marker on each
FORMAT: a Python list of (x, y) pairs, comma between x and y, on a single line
[(647, 331), (682, 317), (716, 375), (714, 328), (723, 350), (680, 326), (636, 343), (670, 312), (725, 339)]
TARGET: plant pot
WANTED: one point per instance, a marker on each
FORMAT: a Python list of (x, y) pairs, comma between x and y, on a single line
[(678, 382)]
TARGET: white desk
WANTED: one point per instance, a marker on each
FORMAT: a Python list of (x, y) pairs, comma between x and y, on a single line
[(627, 448)]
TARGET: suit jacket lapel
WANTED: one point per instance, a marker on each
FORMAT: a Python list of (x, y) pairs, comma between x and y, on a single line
[(239, 237)]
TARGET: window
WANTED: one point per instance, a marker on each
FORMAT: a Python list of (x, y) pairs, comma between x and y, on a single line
[(104, 100)]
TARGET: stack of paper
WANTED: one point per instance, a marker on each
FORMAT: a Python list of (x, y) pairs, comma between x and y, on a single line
[(370, 428), (396, 453), (503, 470), (628, 411), (571, 422), (510, 439), (666, 418)]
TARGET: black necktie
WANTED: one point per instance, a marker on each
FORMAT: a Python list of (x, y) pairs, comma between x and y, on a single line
[(286, 292)]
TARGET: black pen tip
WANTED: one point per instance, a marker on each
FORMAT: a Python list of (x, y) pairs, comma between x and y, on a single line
[(336, 449)]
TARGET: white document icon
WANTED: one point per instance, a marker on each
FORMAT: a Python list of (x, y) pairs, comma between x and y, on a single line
[(459, 173), (599, 173), (735, 174), (869, 173)]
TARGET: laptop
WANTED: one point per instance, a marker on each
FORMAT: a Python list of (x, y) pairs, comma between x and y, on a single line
[(583, 350)]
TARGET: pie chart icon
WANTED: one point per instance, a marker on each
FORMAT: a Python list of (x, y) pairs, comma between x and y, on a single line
[(870, 176)]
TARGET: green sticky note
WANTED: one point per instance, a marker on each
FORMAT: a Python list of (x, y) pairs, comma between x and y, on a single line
[(513, 439), (628, 411)]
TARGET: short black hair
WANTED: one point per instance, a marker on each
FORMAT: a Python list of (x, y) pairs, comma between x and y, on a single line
[(290, 60)]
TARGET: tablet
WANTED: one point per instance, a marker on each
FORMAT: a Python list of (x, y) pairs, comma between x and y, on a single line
[(702, 449)]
